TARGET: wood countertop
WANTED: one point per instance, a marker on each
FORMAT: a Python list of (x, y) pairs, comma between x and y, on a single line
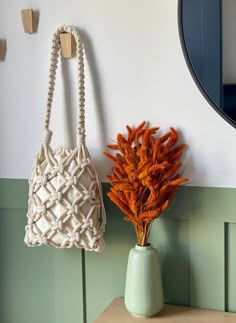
[(117, 313)]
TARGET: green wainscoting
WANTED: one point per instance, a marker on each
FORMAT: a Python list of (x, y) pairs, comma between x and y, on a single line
[(36, 284), (196, 240)]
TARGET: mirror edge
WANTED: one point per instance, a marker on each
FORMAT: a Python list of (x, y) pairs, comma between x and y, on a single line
[(191, 70)]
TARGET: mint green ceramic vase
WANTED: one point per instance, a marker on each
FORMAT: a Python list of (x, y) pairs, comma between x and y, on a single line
[(143, 288)]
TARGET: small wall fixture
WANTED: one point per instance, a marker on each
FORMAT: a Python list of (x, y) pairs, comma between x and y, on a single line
[(68, 45), (29, 20), (3, 49)]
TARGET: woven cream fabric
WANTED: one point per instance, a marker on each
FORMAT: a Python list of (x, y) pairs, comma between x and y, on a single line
[(65, 206)]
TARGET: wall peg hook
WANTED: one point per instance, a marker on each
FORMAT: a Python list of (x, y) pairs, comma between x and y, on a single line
[(68, 45), (3, 49), (29, 20)]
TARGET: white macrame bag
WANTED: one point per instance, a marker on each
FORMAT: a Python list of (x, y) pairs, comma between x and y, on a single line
[(65, 206)]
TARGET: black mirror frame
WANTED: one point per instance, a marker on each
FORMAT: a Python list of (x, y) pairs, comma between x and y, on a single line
[(190, 67)]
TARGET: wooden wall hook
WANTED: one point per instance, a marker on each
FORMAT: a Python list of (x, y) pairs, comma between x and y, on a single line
[(29, 20), (68, 45), (3, 49)]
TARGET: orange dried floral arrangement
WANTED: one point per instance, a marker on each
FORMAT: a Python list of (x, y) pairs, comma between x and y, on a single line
[(144, 177)]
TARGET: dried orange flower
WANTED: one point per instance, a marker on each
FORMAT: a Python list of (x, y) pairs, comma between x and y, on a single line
[(144, 177)]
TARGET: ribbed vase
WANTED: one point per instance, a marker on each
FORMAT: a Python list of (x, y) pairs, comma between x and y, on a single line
[(143, 288)]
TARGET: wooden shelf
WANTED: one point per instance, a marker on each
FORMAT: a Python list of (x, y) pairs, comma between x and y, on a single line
[(117, 313)]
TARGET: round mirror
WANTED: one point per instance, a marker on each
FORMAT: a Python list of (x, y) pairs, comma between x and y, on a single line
[(207, 31)]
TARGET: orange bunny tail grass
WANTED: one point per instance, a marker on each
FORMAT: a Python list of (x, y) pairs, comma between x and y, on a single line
[(146, 175), (133, 132), (120, 204)]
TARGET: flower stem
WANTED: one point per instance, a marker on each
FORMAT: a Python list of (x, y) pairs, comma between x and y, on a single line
[(142, 233)]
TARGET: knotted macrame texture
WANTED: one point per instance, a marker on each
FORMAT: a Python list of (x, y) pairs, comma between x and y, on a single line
[(64, 204)]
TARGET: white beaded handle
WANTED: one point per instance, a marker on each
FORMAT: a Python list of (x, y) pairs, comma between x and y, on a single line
[(52, 76)]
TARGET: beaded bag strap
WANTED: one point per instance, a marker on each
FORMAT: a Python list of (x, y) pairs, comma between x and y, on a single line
[(52, 77)]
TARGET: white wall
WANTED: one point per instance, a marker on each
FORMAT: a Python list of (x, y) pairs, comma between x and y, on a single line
[(135, 71), (228, 41)]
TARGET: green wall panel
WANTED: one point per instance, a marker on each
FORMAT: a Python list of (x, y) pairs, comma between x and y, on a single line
[(13, 193), (231, 267), (171, 239), (68, 286), (26, 275), (195, 238), (207, 264), (106, 271), (40, 284)]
